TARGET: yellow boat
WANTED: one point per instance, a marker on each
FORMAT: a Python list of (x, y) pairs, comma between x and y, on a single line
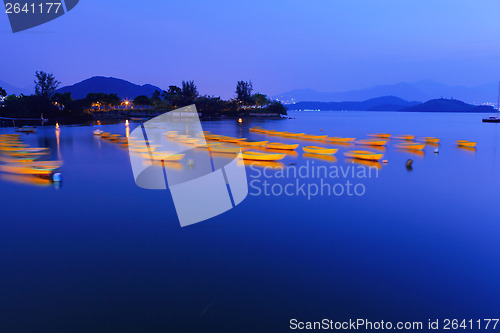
[(319, 150), (364, 155), (262, 164), (113, 136), (164, 156), (26, 179), (27, 153), (411, 146), (141, 149), (257, 129), (252, 143), (291, 134), (371, 142), (212, 137), (259, 156), (430, 139), (225, 149), (380, 135), (231, 139), (210, 145), (277, 145), (26, 130), (404, 137), (29, 170), (465, 143), (29, 159), (190, 141), (13, 144), (339, 139), (288, 152), (45, 163), (314, 137)]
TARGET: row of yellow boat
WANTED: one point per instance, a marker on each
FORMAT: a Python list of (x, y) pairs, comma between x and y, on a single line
[(143, 148), (261, 156), (302, 135), (379, 139), (18, 158)]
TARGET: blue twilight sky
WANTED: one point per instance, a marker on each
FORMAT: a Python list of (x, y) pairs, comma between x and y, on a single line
[(327, 45)]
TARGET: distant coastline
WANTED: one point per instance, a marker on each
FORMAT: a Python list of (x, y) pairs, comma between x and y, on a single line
[(392, 103)]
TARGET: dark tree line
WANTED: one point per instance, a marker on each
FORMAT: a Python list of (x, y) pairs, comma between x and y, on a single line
[(48, 103), (44, 103), (244, 101)]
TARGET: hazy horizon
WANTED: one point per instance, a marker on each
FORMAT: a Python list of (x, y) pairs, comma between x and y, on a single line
[(280, 46)]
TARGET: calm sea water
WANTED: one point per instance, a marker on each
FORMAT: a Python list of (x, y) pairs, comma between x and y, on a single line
[(98, 254)]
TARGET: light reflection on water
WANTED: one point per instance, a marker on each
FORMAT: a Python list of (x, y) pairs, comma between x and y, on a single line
[(418, 244)]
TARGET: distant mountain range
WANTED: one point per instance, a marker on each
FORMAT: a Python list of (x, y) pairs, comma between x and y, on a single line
[(391, 103), (10, 89), (386, 103), (100, 84), (448, 105), (416, 91)]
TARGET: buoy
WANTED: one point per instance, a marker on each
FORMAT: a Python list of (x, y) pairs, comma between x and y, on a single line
[(293, 163), (436, 151), (190, 162), (385, 161), (409, 164), (57, 177), (321, 130)]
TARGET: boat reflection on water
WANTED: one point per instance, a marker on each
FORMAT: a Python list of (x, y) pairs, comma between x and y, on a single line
[(21, 163), (373, 164), (340, 144), (378, 148), (27, 180), (419, 153), (262, 164), (469, 149), (432, 144), (288, 152), (166, 164), (326, 158)]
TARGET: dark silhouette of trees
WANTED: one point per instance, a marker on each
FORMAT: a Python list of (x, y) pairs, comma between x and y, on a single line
[(260, 100), (173, 96), (142, 100), (156, 98), (62, 100), (45, 84), (55, 105), (244, 92), (189, 93), (104, 100), (113, 100), (277, 107)]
